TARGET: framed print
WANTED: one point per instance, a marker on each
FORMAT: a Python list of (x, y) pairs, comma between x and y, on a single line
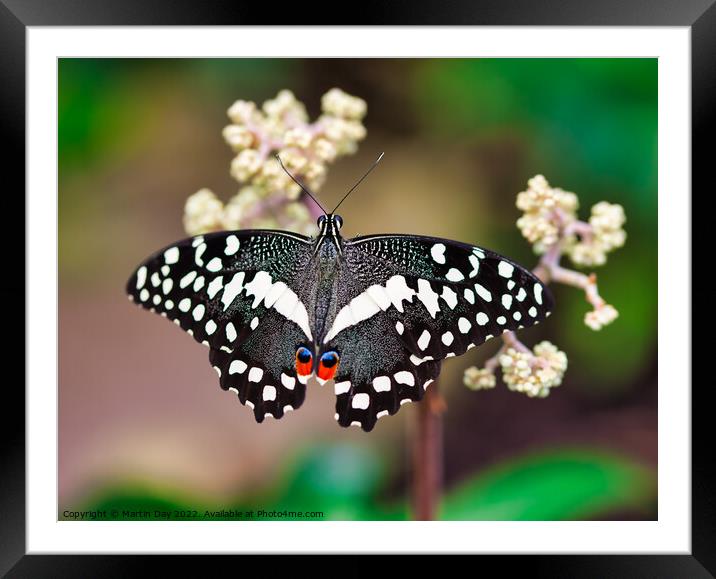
[(440, 274)]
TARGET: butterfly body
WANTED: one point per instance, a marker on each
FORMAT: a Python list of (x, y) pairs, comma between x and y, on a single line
[(375, 314)]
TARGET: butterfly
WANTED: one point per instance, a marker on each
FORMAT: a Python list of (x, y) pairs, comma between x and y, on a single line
[(375, 314)]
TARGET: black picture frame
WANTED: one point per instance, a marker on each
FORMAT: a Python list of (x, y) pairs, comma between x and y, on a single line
[(17, 15)]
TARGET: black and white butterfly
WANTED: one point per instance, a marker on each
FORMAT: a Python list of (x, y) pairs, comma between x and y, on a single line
[(376, 314)]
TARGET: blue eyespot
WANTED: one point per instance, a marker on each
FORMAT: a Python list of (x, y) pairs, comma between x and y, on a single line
[(303, 355), (329, 359)]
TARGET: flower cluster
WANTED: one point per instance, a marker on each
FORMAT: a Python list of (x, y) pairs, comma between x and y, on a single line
[(606, 235), (547, 211), (534, 373), (550, 217), (531, 372), (549, 222), (267, 196)]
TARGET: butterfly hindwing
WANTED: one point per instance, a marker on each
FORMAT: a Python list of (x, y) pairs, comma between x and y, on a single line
[(377, 374), (261, 371), (244, 295)]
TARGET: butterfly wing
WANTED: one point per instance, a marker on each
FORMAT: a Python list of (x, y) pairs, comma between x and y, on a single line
[(421, 299), (376, 375), (236, 292)]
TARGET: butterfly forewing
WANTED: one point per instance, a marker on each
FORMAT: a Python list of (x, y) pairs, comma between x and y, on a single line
[(442, 296), (244, 295)]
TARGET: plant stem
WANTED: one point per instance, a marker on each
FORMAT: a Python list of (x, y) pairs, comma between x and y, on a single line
[(427, 455)]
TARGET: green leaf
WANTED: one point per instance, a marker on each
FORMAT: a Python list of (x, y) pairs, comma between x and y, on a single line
[(555, 485)]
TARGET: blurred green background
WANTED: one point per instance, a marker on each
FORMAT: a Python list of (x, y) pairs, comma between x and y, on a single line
[(143, 423)]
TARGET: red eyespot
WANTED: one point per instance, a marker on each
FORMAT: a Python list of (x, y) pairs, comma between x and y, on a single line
[(304, 361), (328, 365)]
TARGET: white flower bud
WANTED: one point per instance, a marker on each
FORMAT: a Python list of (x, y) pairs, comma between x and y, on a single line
[(245, 165), (601, 316), (202, 212), (340, 104), (238, 137), (479, 378), (242, 112)]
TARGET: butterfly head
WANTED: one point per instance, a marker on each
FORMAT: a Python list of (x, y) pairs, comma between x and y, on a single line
[(330, 225)]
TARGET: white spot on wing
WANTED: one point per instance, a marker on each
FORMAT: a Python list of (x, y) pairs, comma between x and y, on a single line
[(437, 251), (215, 286), (398, 291), (210, 327), (288, 381), (230, 332), (187, 279), (269, 393), (481, 319), (258, 287), (538, 293), (404, 377), (237, 367), (447, 338), (232, 289), (469, 295), (450, 297), (505, 269), (428, 297), (455, 275), (232, 245), (360, 401), (141, 277), (171, 255), (363, 307), (342, 387), (274, 293), (198, 253), (464, 325), (379, 295), (198, 312), (381, 384), (475, 265), (483, 292), (255, 374), (424, 340), (214, 265)]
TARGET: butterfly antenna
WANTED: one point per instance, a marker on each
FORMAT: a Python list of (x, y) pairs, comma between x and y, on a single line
[(373, 166), (301, 185)]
